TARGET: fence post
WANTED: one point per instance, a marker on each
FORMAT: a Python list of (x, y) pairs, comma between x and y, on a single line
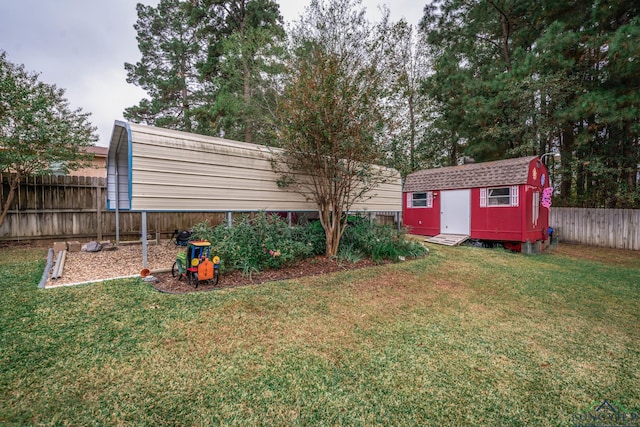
[(98, 191)]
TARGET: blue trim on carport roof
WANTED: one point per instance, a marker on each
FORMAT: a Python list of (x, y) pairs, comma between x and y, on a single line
[(129, 157)]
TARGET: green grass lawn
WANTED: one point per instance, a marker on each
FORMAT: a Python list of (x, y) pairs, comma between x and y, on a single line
[(465, 336)]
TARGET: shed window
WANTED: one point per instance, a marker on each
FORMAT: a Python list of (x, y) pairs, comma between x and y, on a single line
[(422, 200), (502, 196), (499, 196)]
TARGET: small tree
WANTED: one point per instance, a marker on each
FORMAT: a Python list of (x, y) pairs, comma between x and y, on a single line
[(39, 133), (330, 116)]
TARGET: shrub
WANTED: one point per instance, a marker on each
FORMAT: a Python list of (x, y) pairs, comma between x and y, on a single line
[(267, 242), (253, 244), (379, 242), (311, 234)]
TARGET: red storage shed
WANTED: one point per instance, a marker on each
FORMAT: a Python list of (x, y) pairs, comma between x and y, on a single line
[(501, 201)]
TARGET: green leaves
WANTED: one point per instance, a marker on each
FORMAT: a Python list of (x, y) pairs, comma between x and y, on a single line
[(39, 132), (172, 45), (515, 78), (331, 114), (206, 66)]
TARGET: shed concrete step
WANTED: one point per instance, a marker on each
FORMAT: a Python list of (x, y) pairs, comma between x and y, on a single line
[(447, 239)]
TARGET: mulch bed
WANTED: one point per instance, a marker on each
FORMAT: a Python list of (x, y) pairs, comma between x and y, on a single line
[(309, 267)]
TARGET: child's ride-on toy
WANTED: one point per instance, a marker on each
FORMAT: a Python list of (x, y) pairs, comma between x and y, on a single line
[(194, 264)]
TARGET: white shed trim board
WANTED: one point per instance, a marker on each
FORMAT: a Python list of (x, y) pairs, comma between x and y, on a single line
[(167, 170)]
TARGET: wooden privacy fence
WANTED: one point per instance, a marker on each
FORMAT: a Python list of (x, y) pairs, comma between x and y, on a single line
[(54, 207), (613, 228), (74, 207)]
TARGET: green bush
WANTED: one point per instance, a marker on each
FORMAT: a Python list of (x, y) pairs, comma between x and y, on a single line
[(377, 241), (312, 234), (254, 244), (267, 242)]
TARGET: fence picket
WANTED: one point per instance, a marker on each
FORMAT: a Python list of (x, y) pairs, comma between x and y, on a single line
[(614, 228)]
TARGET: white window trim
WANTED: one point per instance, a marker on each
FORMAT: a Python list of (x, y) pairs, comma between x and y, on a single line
[(514, 199), (429, 200), (515, 196)]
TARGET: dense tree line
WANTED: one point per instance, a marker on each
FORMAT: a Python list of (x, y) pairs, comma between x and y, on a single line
[(489, 79), (207, 66), (520, 77)]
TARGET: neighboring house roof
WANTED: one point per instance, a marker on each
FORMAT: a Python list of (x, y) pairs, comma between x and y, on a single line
[(474, 175), (97, 151)]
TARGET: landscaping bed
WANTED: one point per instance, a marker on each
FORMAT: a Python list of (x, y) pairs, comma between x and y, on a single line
[(307, 267), (126, 260), (256, 249)]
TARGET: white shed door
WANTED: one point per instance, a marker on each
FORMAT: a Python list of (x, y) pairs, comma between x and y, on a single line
[(455, 212)]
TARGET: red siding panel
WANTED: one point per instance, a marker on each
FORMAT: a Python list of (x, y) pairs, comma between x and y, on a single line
[(422, 221)]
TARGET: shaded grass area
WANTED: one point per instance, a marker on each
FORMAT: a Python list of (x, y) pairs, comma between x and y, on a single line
[(465, 336)]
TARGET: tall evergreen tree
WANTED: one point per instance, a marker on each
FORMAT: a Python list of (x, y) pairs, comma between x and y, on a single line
[(514, 77), (172, 46), (246, 40)]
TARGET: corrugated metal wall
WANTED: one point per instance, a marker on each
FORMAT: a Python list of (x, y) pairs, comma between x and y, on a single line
[(178, 171)]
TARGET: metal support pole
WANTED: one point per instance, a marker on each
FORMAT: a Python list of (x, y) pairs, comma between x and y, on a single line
[(98, 193), (289, 218), (144, 239), (229, 220), (117, 204)]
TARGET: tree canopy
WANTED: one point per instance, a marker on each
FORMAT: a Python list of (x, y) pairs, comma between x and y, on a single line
[(206, 66), (490, 79), (39, 132), (172, 44), (514, 77)]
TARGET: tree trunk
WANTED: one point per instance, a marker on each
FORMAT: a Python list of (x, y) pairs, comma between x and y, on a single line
[(247, 99), (566, 151), (331, 223), (412, 124), (12, 192)]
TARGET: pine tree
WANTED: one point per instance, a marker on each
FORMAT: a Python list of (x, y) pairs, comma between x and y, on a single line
[(172, 47), (245, 47), (513, 77)]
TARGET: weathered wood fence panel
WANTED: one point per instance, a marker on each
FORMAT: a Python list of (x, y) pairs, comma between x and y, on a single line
[(54, 207), (613, 228)]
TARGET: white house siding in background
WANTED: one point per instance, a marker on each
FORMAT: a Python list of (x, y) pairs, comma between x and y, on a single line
[(167, 170)]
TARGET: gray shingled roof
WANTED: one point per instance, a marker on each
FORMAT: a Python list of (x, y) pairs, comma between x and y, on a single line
[(488, 174)]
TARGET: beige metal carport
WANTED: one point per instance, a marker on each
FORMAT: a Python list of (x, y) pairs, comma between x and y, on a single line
[(155, 169)]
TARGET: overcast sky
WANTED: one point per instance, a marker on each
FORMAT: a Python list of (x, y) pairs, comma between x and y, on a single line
[(82, 45)]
